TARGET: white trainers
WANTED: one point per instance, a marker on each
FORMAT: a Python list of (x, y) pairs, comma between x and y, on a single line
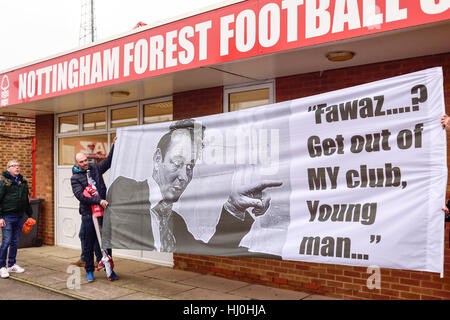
[(4, 273), (16, 269)]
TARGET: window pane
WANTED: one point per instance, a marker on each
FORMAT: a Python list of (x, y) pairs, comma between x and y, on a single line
[(68, 124), (124, 117), (94, 121), (158, 112), (248, 99), (95, 147)]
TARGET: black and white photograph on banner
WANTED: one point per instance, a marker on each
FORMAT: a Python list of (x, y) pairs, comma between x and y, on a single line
[(211, 187), (290, 181)]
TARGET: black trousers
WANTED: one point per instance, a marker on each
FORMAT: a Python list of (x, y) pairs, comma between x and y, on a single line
[(90, 238)]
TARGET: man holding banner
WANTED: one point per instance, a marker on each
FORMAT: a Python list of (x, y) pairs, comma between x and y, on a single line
[(82, 173)]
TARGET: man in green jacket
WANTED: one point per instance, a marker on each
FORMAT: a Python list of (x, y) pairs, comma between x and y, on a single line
[(14, 203)]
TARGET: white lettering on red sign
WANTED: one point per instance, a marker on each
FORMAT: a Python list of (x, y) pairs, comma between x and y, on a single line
[(238, 31), (431, 7)]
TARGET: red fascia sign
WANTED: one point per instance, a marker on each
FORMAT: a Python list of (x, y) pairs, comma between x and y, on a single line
[(242, 30)]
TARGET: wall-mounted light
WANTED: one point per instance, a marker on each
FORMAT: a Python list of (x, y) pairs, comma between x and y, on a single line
[(119, 94), (340, 55)]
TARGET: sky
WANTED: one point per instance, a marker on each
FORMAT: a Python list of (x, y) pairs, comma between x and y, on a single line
[(31, 30)]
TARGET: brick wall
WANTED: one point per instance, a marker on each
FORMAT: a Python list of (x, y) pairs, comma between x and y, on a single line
[(331, 280), (197, 103), (44, 177), (16, 143)]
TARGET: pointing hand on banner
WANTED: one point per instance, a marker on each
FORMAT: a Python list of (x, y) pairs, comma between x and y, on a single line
[(252, 196)]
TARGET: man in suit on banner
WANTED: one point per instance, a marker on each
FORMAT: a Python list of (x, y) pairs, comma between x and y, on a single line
[(141, 214)]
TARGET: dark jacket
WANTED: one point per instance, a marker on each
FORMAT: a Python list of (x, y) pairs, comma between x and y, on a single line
[(14, 197), (79, 182)]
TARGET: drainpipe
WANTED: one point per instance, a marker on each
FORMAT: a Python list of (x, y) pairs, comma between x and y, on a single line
[(33, 151)]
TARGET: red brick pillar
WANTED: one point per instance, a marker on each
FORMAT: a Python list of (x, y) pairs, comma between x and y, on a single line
[(44, 177)]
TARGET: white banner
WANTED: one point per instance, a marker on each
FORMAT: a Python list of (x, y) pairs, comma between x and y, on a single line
[(355, 177)]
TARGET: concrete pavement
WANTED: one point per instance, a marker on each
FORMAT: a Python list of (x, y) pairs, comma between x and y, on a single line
[(47, 267), (16, 290)]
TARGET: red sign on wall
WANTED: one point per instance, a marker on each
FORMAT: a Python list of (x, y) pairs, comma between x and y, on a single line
[(94, 149), (238, 31)]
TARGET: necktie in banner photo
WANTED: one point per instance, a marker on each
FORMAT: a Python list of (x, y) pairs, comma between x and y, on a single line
[(164, 212)]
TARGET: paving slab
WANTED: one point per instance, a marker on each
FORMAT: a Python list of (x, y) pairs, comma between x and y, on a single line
[(43, 249), (65, 253), (99, 291), (205, 294), (12, 289), (130, 266), (53, 263), (158, 287), (33, 272), (268, 293), (214, 283), (29, 255), (169, 274), (141, 296), (55, 280), (124, 278)]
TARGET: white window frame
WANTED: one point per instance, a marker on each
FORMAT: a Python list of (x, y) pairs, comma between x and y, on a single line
[(85, 132), (121, 106), (142, 103), (248, 87), (67, 134), (108, 129)]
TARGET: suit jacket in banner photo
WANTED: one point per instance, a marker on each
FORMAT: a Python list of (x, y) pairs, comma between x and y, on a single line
[(130, 225)]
